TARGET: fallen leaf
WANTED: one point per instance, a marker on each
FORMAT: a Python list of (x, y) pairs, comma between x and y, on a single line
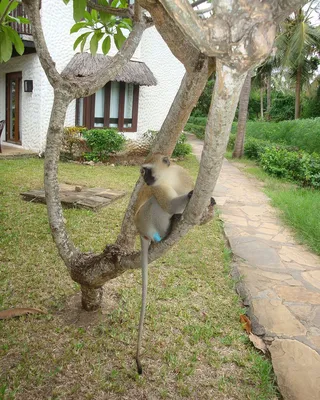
[(246, 323), (17, 312), (258, 342)]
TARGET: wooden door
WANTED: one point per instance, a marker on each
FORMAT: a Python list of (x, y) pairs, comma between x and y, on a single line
[(13, 95)]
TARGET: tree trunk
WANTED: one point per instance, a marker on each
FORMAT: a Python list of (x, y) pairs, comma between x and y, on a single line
[(298, 92), (268, 95), (261, 102), (224, 102), (242, 119), (91, 298)]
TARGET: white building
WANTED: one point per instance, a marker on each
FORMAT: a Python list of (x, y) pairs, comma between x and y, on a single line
[(133, 108)]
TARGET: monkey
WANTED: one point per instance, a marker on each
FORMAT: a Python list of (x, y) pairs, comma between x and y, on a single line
[(165, 193)]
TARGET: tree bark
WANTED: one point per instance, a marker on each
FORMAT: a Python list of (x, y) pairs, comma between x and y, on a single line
[(221, 113), (242, 119), (298, 93), (91, 298), (261, 102), (268, 95)]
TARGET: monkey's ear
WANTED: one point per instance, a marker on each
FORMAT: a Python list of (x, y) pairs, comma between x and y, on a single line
[(166, 160)]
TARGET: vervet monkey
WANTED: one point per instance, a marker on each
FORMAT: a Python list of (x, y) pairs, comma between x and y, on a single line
[(166, 192)]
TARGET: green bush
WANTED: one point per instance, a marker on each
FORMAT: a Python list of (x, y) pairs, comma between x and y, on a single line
[(182, 148), (102, 143), (304, 134), (198, 120), (197, 130), (231, 142), (297, 166), (253, 148)]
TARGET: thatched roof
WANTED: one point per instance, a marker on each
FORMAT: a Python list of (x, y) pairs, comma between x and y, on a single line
[(84, 64)]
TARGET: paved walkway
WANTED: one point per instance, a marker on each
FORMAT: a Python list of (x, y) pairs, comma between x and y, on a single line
[(279, 281)]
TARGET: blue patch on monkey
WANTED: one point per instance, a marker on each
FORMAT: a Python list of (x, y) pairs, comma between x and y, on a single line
[(156, 237)]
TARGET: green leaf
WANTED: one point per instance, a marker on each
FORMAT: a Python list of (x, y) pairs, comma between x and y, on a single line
[(5, 45), (79, 7), (13, 19), (66, 2), (114, 3), (81, 38), (76, 27), (106, 44), (3, 6), (119, 38), (94, 15), (24, 20), (94, 44), (15, 39)]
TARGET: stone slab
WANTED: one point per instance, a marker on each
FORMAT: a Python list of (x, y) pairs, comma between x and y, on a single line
[(276, 318), (78, 197), (298, 295), (297, 367), (313, 277)]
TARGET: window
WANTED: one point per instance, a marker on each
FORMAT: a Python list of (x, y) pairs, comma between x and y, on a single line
[(113, 106)]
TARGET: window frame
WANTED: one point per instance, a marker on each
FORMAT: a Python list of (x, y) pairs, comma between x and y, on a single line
[(89, 109)]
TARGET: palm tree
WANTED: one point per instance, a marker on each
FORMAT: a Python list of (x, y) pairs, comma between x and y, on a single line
[(242, 118), (298, 41)]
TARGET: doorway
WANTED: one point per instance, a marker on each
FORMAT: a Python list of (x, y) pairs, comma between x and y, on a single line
[(13, 95)]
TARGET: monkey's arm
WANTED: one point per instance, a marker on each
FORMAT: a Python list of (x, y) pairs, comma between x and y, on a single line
[(168, 199)]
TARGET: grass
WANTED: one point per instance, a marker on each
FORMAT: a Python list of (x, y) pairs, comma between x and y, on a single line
[(299, 207), (194, 346)]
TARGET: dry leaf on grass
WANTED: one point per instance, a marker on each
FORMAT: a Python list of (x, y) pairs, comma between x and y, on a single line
[(246, 323), (17, 312), (258, 342)]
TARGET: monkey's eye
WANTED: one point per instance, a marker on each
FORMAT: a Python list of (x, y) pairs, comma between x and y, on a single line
[(166, 160)]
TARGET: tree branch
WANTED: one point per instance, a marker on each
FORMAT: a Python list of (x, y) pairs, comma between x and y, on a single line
[(87, 85), (180, 46), (33, 12), (222, 110), (120, 12)]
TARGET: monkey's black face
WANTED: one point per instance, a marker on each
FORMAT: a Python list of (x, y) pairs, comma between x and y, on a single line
[(147, 176)]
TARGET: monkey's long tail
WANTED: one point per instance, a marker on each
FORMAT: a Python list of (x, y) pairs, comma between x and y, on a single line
[(144, 266)]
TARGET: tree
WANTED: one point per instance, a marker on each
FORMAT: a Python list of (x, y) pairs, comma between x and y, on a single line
[(298, 42), (235, 37), (242, 118)]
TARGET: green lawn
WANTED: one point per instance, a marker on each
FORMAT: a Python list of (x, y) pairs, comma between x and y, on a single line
[(194, 346), (299, 207)]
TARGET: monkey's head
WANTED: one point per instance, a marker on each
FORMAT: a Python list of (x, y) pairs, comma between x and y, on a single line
[(154, 166)]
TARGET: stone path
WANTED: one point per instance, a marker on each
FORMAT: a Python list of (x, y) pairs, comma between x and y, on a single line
[(279, 281)]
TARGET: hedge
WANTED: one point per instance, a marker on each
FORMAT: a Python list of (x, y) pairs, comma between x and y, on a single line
[(303, 133)]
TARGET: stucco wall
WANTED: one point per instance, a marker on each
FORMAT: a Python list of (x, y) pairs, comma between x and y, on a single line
[(35, 107), (154, 102)]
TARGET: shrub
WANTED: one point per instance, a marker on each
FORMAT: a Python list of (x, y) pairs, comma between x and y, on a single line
[(182, 148), (102, 143), (253, 148), (297, 166), (304, 134), (198, 120), (198, 130), (73, 144), (231, 142)]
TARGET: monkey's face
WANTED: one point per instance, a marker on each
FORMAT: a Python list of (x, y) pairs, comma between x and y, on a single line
[(155, 167)]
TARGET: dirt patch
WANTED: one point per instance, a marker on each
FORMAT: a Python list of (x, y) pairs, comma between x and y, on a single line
[(74, 314)]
